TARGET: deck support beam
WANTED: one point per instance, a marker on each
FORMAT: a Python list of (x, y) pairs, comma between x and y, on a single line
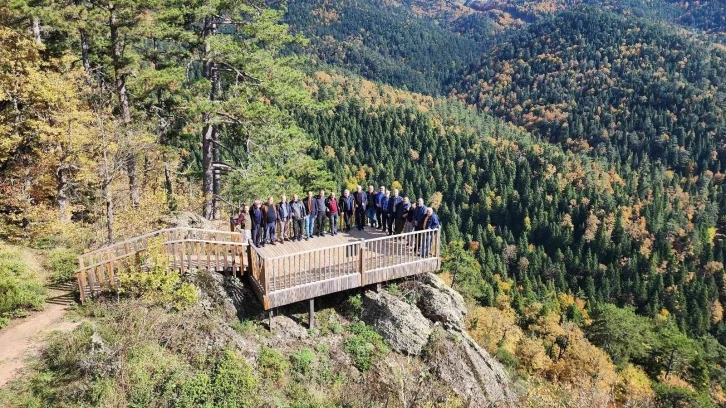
[(270, 315), (311, 314)]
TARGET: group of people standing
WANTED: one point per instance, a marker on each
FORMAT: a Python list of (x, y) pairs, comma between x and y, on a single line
[(385, 210)]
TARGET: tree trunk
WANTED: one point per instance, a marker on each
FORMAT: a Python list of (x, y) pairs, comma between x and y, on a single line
[(216, 181), (209, 130), (123, 100), (107, 199), (62, 197), (84, 51), (36, 30), (208, 167)]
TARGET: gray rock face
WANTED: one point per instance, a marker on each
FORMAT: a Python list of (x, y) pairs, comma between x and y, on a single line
[(284, 327), (401, 324), (188, 219), (474, 375), (440, 303), (466, 368)]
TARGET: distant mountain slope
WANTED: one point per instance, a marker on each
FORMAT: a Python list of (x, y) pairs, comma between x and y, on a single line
[(707, 16), (409, 44), (590, 79)]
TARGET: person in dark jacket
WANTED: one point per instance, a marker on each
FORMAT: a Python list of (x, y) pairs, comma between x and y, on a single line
[(382, 193), (346, 205), (270, 213), (299, 215), (360, 200), (419, 214), (256, 218), (390, 210), (430, 222), (371, 206), (321, 212), (310, 217), (331, 204), (410, 227), (284, 215), (401, 212), (383, 216)]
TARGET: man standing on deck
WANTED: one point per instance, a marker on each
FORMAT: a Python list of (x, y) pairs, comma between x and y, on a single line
[(270, 213), (430, 222), (331, 204), (284, 214), (360, 201), (379, 208), (419, 214), (256, 217), (383, 215), (310, 217), (345, 205), (409, 218), (245, 223), (401, 212), (321, 212), (299, 215), (390, 210), (371, 206)]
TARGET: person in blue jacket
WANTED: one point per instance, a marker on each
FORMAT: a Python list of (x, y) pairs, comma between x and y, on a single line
[(419, 214), (360, 202), (390, 210), (430, 222), (345, 206), (382, 193)]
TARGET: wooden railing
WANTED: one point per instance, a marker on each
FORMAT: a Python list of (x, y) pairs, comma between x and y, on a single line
[(185, 247), (277, 280)]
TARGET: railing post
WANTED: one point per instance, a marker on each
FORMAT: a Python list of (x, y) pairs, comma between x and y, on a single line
[(266, 270), (361, 262), (81, 278), (438, 242)]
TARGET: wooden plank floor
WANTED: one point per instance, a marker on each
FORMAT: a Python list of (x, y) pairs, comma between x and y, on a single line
[(291, 247)]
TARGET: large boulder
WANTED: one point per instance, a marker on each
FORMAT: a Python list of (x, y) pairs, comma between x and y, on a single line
[(227, 294), (471, 372), (401, 324), (188, 219), (440, 303)]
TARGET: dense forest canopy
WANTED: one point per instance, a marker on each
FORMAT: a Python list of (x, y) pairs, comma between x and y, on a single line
[(620, 88)]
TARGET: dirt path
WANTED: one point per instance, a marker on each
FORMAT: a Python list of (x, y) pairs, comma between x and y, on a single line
[(24, 338)]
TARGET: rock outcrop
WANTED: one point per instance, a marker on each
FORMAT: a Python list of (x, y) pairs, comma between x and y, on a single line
[(434, 328), (440, 303), (401, 324), (188, 219)]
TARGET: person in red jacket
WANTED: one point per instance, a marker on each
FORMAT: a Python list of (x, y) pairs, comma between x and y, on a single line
[(331, 204)]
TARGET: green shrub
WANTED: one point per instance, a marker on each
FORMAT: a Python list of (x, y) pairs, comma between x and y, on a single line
[(272, 364), (62, 264), (19, 288), (355, 306), (322, 348), (158, 286), (233, 382), (302, 360), (194, 391), (394, 289), (366, 346)]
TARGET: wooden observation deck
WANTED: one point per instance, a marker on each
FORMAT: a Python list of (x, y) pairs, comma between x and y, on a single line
[(280, 274)]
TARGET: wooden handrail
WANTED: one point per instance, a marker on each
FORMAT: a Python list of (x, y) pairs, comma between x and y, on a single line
[(373, 260)]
